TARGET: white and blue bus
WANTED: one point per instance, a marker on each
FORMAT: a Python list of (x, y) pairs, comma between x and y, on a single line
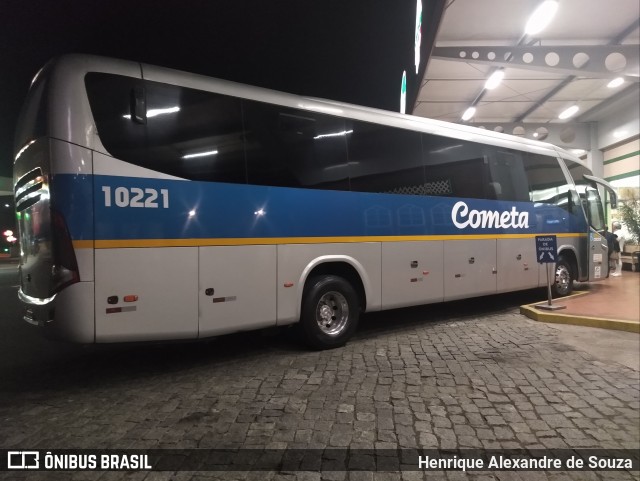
[(155, 204)]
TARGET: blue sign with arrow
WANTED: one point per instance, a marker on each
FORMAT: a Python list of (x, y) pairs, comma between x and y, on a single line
[(546, 249)]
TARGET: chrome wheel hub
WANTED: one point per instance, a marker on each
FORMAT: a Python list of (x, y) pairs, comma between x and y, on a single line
[(563, 277), (332, 313)]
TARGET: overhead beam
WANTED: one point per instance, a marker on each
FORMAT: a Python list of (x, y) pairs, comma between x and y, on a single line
[(544, 98), (600, 61)]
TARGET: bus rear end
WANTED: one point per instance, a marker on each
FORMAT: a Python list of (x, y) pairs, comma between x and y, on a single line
[(54, 291)]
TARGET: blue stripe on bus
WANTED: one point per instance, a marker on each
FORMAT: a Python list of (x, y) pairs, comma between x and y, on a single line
[(239, 211)]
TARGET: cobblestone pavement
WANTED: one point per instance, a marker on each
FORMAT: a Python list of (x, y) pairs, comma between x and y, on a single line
[(460, 375)]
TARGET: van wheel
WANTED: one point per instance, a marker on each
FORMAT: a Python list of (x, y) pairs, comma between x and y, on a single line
[(563, 285), (330, 312)]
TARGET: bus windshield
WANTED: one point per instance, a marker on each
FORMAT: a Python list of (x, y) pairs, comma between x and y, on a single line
[(589, 195)]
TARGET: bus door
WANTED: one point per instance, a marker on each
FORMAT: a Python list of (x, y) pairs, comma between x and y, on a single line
[(593, 207)]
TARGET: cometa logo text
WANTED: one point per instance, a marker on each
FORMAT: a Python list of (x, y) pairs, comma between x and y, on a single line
[(462, 217)]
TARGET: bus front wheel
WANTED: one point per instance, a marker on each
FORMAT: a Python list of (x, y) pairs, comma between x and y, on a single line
[(330, 312), (563, 285)]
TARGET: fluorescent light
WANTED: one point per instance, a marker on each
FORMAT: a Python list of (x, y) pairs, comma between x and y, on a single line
[(578, 151), (336, 134), (616, 82), (200, 154), (156, 112), (569, 112), (494, 80), (541, 17), (470, 112), (618, 134)]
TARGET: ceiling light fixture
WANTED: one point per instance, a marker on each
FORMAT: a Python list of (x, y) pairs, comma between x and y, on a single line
[(494, 80), (618, 134), (470, 112), (541, 17), (616, 82), (569, 112)]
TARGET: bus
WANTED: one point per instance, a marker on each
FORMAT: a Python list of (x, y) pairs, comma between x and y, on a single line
[(155, 204)]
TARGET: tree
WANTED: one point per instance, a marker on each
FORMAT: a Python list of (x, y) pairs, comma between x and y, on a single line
[(629, 211)]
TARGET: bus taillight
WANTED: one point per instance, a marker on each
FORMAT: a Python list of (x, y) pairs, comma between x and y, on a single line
[(64, 271)]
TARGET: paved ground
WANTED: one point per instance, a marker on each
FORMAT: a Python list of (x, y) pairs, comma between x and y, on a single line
[(466, 374)]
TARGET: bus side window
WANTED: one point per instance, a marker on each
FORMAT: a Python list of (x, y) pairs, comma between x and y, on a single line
[(188, 133), (194, 134), (547, 183), (507, 171), (294, 148), (110, 100), (384, 159), (453, 168)]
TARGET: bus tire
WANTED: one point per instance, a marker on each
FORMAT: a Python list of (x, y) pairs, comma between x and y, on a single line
[(563, 279), (330, 312)]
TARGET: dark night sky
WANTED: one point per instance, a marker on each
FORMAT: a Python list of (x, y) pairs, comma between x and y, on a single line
[(348, 50)]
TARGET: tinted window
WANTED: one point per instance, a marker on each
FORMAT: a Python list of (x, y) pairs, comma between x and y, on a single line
[(384, 159), (194, 134), (109, 98), (294, 148), (188, 133), (455, 168), (508, 177), (547, 183)]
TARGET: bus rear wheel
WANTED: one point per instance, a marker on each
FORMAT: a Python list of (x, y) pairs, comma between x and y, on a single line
[(330, 312), (563, 285)]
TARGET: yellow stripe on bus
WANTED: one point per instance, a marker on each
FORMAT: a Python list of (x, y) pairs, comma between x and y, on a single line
[(124, 243)]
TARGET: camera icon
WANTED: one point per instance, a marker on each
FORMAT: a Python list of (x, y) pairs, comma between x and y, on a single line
[(23, 460)]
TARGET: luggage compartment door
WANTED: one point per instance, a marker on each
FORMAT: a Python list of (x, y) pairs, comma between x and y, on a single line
[(469, 268)]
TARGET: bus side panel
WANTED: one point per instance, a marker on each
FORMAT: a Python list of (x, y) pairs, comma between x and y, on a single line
[(296, 261), (237, 288), (164, 282), (517, 264), (412, 273), (470, 268)]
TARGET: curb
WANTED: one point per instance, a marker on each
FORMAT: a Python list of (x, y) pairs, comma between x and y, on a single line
[(530, 311)]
